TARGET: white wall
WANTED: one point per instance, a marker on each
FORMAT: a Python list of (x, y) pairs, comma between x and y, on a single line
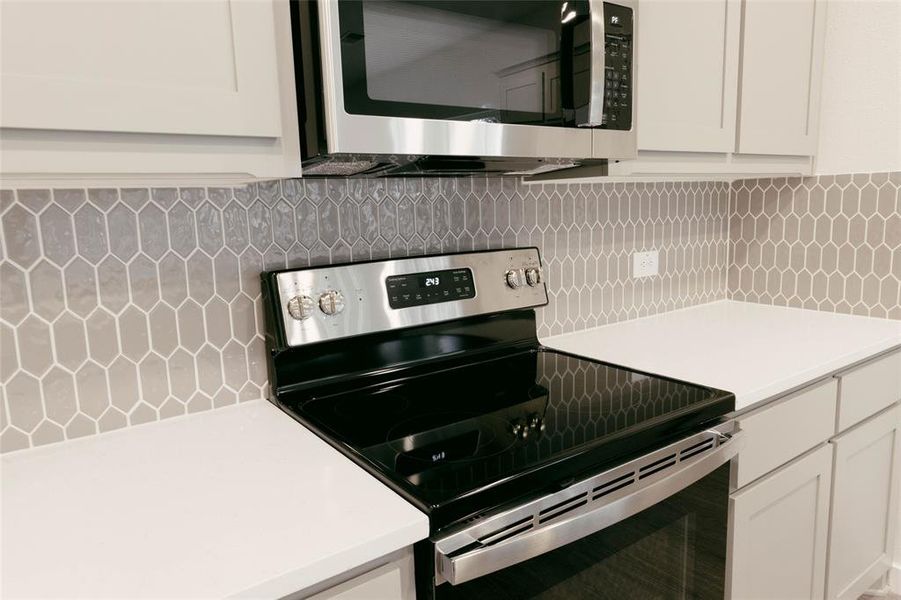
[(860, 118)]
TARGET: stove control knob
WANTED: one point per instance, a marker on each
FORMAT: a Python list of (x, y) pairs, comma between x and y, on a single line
[(513, 278), (300, 307), (533, 276), (331, 302)]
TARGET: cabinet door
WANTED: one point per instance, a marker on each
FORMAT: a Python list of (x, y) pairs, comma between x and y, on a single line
[(864, 504), (778, 531), (143, 66), (782, 59), (687, 75)]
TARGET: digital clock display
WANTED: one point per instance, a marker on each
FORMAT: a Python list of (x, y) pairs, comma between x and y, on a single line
[(417, 289)]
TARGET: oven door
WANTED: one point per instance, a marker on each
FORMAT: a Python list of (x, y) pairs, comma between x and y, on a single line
[(653, 528), (462, 77)]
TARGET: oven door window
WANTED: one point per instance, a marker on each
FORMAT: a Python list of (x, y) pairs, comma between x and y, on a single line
[(520, 62), (674, 549)]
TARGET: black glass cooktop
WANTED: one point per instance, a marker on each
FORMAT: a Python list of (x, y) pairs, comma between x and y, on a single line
[(450, 439)]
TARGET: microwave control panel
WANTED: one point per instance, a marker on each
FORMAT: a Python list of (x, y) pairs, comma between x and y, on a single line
[(618, 82)]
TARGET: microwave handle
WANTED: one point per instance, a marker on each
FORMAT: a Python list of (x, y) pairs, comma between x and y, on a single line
[(597, 69), (460, 568)]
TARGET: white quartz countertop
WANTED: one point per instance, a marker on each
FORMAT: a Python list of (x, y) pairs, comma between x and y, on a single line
[(755, 351), (239, 501)]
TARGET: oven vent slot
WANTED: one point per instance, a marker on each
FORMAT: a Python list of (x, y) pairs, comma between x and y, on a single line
[(561, 508), (503, 533), (657, 466), (608, 487), (696, 449)]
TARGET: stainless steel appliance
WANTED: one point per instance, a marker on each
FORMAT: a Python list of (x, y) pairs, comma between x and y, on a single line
[(417, 87), (544, 475)]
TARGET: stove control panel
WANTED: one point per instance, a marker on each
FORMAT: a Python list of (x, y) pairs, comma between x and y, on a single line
[(416, 289), (337, 301)]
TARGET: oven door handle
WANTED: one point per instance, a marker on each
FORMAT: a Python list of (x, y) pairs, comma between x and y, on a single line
[(459, 567)]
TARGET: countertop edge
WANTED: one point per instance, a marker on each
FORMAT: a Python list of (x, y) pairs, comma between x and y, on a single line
[(333, 566), (781, 388)]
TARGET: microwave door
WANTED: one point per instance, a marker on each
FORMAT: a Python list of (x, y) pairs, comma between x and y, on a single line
[(613, 75), (582, 62), (452, 78)]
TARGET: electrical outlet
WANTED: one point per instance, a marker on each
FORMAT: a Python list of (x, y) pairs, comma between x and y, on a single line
[(644, 264)]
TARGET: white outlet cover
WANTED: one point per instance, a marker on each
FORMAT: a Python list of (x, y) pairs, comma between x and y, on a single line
[(645, 264)]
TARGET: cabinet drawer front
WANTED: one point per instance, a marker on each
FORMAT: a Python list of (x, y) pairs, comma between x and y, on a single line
[(868, 389), (778, 433)]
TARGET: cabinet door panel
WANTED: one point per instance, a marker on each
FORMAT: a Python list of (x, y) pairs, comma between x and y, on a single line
[(778, 531), (143, 66), (781, 64), (687, 80), (864, 504)]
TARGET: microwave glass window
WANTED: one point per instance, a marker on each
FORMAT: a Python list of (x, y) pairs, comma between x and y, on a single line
[(496, 61)]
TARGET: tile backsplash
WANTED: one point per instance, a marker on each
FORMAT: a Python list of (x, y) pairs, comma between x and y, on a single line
[(122, 306), (828, 243)]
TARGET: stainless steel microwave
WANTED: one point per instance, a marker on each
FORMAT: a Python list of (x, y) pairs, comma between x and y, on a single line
[(420, 87)]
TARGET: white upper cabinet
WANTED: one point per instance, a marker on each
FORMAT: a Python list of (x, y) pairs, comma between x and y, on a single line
[(727, 87), (781, 66), (196, 67), (687, 75), (147, 86)]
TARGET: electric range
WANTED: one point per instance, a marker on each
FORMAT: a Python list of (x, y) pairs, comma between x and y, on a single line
[(428, 373)]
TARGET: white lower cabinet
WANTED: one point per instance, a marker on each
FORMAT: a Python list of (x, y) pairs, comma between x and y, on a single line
[(814, 506), (864, 503), (779, 531)]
